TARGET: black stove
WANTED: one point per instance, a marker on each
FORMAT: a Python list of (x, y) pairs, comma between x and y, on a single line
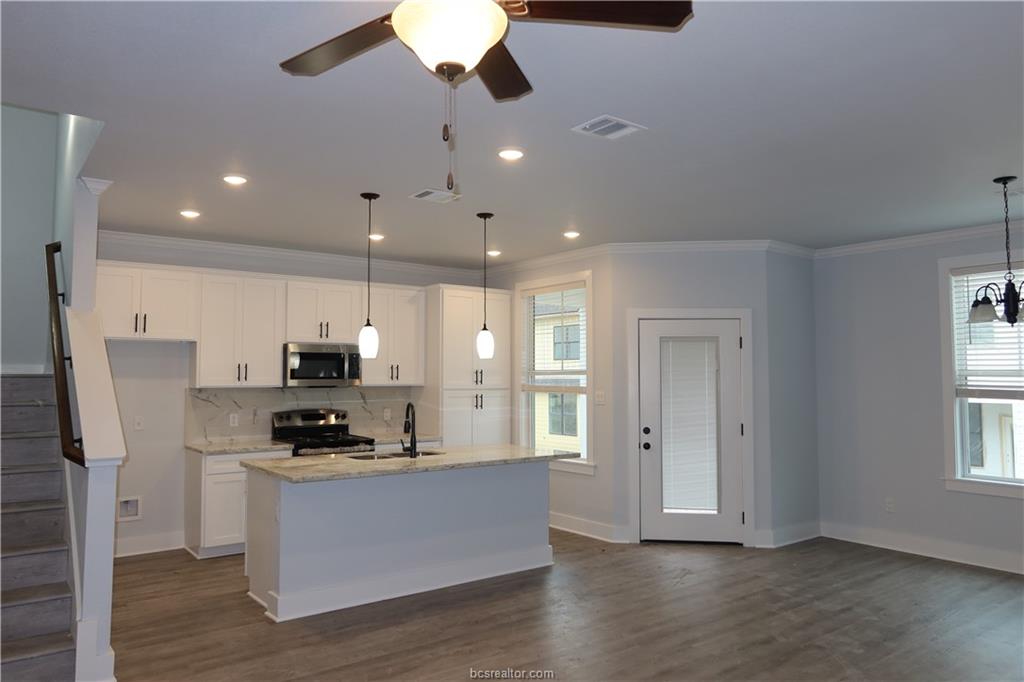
[(317, 432)]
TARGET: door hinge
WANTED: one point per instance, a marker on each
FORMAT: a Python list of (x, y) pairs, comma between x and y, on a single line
[(741, 342), (741, 428), (743, 518)]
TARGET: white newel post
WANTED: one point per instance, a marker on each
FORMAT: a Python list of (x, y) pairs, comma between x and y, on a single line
[(84, 233)]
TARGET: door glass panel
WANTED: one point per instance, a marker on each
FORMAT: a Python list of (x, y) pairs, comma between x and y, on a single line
[(689, 425)]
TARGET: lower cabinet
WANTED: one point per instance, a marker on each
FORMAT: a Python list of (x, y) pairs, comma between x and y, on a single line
[(476, 417), (215, 493)]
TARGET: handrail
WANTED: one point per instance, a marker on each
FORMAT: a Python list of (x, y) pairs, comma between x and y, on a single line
[(69, 444)]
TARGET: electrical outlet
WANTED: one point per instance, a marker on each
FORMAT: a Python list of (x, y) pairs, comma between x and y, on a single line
[(387, 414), (890, 505), (139, 423), (233, 419), (599, 397)]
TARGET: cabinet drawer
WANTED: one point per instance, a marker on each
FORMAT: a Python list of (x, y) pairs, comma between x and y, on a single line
[(229, 464)]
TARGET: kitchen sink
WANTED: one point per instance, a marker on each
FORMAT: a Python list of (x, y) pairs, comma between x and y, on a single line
[(370, 456)]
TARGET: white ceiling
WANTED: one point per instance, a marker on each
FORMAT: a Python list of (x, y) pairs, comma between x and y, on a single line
[(818, 124)]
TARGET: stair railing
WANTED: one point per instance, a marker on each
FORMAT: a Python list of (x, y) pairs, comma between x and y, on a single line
[(71, 446)]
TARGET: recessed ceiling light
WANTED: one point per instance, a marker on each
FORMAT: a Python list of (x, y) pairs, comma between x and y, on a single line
[(511, 153), (494, 253), (189, 213), (376, 237), (571, 234), (236, 180)]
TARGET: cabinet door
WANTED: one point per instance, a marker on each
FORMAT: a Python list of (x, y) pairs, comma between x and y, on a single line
[(304, 320), (380, 371), (408, 315), (498, 370), (492, 423), (219, 325), (117, 300), (262, 338), (458, 414), (458, 345), (341, 306), (224, 509), (170, 305)]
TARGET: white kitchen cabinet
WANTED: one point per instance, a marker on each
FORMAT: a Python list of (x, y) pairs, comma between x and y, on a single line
[(481, 417), (496, 372), (322, 313), (399, 316), (148, 303), (241, 331), (462, 312), (215, 491)]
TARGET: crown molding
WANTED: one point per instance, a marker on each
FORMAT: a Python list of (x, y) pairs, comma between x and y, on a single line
[(924, 239), (95, 185), (179, 250)]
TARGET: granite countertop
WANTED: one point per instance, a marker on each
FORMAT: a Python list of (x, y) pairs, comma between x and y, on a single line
[(393, 438), (337, 467), (231, 446)]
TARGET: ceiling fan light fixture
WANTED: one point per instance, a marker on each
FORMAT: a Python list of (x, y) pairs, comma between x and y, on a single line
[(449, 36)]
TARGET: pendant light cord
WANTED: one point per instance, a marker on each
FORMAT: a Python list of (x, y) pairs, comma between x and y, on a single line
[(369, 231), (485, 273)]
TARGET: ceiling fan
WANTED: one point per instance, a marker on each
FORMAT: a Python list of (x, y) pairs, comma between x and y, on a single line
[(452, 37)]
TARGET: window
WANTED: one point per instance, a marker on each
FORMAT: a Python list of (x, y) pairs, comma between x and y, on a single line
[(553, 407), (988, 364), (567, 342), (561, 414)]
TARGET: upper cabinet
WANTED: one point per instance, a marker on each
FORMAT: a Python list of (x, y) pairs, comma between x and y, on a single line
[(241, 340), (462, 317), (323, 312), (399, 315), (148, 303)]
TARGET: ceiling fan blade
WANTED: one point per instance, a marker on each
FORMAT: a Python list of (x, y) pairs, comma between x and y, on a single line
[(501, 75), (628, 13), (329, 54)]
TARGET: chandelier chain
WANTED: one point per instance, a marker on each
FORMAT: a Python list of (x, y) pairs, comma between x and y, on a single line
[(1006, 221)]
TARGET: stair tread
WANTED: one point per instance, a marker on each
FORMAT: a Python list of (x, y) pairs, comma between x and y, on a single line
[(31, 402), (29, 434), (34, 548), (33, 647), (34, 505), (30, 468), (35, 593), (26, 375)]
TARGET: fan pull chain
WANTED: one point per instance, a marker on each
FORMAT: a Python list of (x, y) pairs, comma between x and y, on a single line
[(450, 136)]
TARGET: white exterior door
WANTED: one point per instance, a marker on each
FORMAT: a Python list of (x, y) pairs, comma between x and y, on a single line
[(117, 300), (262, 335), (690, 444), (169, 305), (459, 339), (492, 420), (219, 331), (496, 372), (406, 338), (341, 306), (304, 321)]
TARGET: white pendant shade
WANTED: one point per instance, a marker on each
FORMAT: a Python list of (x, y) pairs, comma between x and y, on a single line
[(449, 31), (982, 311), (485, 344), (369, 342)]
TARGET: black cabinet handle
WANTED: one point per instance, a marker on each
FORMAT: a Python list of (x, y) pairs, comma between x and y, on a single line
[(247, 371), (328, 329), (481, 401), (238, 372), (398, 372), (476, 401), (144, 316), (136, 323), (391, 372), (481, 379), (321, 330)]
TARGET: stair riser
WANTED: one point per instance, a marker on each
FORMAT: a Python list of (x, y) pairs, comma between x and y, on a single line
[(29, 451), (20, 389), (59, 666), (37, 618), (29, 570), (29, 527), (31, 487), (22, 418)]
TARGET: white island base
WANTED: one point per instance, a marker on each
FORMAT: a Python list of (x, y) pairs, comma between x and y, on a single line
[(323, 545)]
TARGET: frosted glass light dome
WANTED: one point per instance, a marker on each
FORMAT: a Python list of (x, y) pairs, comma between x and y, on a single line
[(449, 31), (485, 344), (369, 341)]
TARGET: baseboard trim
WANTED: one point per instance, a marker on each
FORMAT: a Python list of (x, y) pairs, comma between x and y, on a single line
[(147, 544), (587, 528), (771, 538), (959, 552)]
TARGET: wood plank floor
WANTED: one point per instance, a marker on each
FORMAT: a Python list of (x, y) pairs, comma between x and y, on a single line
[(818, 610)]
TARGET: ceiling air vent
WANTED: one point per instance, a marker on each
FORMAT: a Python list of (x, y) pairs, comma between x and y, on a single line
[(438, 196), (608, 127)]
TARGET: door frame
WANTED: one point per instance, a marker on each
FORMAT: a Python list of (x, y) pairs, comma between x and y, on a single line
[(744, 315)]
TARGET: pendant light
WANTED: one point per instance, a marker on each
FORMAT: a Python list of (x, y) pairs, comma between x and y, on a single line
[(484, 338), (984, 309), (369, 339)]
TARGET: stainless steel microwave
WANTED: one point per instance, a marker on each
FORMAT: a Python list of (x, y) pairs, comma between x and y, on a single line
[(322, 364)]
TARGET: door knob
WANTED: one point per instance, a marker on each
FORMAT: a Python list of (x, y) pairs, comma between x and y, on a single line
[(647, 430), (647, 446)]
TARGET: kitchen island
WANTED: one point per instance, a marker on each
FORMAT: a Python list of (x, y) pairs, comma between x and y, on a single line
[(331, 531)]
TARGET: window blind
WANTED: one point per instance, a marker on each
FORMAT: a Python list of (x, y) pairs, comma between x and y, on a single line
[(555, 340), (988, 357)]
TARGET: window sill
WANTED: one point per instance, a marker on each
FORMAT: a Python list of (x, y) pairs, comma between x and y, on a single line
[(574, 467), (995, 488)]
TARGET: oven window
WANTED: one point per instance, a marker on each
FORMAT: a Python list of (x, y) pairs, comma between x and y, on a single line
[(318, 366)]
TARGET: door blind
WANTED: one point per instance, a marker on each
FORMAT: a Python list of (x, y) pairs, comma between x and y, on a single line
[(988, 357)]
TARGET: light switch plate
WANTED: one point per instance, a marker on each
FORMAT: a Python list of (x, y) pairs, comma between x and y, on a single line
[(599, 397), (139, 423)]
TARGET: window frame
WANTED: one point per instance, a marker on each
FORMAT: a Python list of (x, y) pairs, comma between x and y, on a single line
[(588, 466), (953, 429)]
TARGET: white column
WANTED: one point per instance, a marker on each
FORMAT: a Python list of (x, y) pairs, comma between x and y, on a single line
[(84, 230)]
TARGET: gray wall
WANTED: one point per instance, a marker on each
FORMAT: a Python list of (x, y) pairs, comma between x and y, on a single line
[(880, 416), (29, 172)]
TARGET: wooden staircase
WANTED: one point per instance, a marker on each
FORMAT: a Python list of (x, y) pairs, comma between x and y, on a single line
[(35, 595)]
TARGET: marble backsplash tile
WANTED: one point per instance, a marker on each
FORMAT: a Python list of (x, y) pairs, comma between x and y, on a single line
[(208, 410)]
